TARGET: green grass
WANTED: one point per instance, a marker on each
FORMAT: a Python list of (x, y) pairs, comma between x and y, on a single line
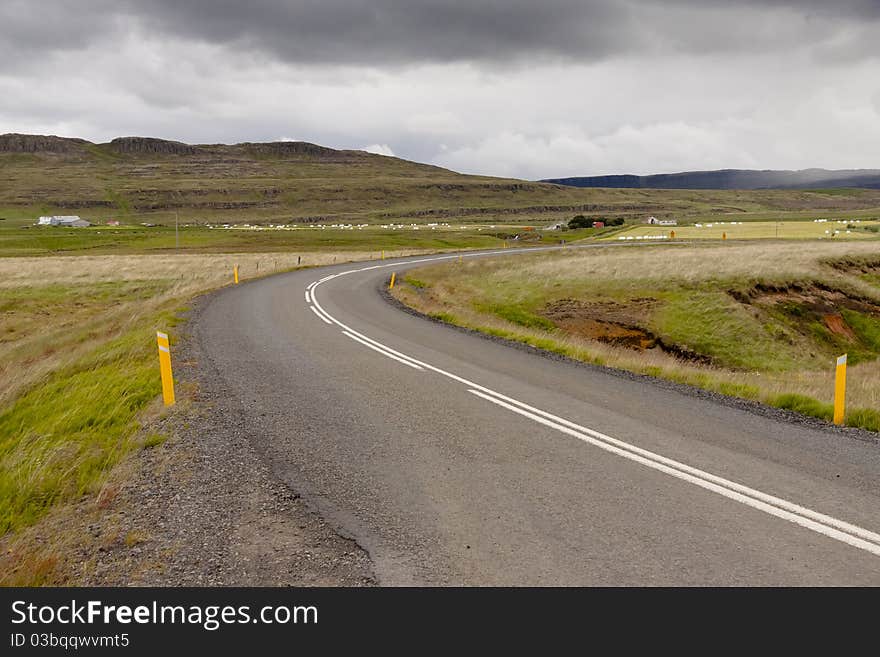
[(867, 328), (804, 405), (61, 437), (865, 418), (154, 440), (708, 321), (517, 315)]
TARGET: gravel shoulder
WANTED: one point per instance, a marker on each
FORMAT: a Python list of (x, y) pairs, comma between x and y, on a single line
[(201, 508)]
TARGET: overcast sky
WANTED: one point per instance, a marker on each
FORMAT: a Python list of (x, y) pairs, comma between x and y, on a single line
[(517, 88)]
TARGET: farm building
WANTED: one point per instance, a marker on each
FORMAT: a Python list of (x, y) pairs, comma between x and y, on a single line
[(654, 221), (63, 220)]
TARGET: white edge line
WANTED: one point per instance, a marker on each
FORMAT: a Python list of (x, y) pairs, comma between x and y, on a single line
[(322, 318), (382, 351), (740, 488), (755, 503), (321, 312)]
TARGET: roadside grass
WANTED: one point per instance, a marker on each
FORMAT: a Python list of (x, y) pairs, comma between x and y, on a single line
[(79, 374), (755, 349), (62, 436)]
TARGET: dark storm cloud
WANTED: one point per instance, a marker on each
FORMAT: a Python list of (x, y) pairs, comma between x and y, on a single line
[(401, 32), (397, 31)]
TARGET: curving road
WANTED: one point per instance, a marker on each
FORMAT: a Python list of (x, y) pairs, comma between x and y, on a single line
[(454, 459)]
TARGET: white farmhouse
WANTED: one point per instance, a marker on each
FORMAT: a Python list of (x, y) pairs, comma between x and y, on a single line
[(63, 220)]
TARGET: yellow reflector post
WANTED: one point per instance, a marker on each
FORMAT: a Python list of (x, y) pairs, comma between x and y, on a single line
[(840, 390)]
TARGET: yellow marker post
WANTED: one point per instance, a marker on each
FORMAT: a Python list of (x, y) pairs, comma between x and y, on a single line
[(724, 236), (391, 285), (235, 273), (672, 234), (165, 368), (383, 255), (840, 390), (459, 258)]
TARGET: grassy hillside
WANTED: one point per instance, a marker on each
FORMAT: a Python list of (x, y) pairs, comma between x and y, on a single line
[(149, 180), (763, 321)]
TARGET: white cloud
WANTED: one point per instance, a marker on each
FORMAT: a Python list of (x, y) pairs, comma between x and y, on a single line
[(379, 149)]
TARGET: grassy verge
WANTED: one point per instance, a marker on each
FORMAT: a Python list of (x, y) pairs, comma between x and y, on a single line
[(63, 435), (79, 379), (759, 321)]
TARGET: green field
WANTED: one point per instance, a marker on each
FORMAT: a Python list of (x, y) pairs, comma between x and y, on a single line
[(46, 240)]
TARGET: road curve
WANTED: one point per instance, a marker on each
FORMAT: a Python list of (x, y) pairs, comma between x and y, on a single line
[(453, 459)]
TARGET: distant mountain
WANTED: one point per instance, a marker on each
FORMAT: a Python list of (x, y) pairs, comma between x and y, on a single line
[(734, 179)]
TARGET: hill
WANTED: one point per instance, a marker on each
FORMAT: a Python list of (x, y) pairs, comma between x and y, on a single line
[(141, 179), (258, 182), (735, 179)]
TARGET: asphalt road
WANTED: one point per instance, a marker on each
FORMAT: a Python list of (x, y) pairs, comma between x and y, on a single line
[(453, 459)]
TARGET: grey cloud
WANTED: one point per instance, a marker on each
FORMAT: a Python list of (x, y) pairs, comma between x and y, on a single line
[(402, 32)]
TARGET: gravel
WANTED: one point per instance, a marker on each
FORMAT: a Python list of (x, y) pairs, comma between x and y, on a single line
[(203, 509)]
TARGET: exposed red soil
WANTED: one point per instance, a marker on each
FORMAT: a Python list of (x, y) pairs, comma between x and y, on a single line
[(617, 323)]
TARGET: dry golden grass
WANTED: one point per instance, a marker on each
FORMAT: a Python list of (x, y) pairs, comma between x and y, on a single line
[(194, 271), (696, 263)]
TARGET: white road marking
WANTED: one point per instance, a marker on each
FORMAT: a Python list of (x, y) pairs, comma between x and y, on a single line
[(863, 539), (308, 297), (320, 316), (321, 312), (829, 526), (381, 351)]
